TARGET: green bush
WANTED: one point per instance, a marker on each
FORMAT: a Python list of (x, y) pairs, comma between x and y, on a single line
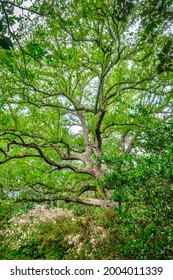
[(142, 184), (98, 237), (37, 234), (57, 234)]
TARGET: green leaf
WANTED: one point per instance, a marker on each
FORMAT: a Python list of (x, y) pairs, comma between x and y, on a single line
[(143, 22), (144, 13), (150, 27), (6, 43), (84, 13)]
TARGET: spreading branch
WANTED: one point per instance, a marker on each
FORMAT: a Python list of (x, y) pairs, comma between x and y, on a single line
[(22, 8), (67, 199)]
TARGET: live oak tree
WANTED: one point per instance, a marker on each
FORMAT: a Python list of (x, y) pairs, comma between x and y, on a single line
[(83, 81)]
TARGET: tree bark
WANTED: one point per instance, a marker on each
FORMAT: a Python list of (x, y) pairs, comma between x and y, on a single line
[(85, 201)]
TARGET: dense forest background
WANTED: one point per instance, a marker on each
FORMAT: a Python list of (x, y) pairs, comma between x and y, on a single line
[(86, 130)]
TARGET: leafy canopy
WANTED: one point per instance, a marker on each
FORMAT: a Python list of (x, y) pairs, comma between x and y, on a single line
[(84, 80)]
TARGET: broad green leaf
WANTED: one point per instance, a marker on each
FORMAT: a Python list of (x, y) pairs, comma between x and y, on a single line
[(6, 43)]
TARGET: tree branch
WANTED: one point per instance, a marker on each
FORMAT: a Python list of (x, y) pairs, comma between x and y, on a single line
[(85, 129), (119, 124), (75, 199), (130, 144), (22, 8), (7, 158), (47, 159), (98, 132), (2, 151), (68, 156)]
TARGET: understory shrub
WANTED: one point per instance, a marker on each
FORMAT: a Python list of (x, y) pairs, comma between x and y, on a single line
[(142, 185), (58, 234), (37, 234), (98, 237)]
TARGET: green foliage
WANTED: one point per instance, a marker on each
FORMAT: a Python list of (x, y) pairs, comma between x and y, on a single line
[(37, 234), (6, 43), (35, 50), (148, 232), (153, 14), (4, 213), (8, 210), (166, 58), (99, 236), (143, 186)]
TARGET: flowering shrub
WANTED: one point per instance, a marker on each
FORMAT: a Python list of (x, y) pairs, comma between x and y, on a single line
[(57, 234), (30, 234), (98, 237)]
